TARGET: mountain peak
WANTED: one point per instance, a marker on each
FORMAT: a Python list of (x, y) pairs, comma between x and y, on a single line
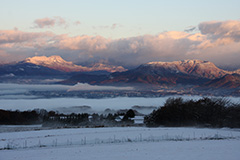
[(55, 62), (43, 59), (55, 58)]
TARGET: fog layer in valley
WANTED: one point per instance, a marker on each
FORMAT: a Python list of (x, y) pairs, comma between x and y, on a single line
[(16, 97)]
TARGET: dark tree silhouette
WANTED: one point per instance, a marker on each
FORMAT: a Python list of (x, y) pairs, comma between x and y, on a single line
[(203, 112)]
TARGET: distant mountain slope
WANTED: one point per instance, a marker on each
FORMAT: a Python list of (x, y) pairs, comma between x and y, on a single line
[(85, 78), (237, 71), (151, 76), (27, 69), (227, 81)]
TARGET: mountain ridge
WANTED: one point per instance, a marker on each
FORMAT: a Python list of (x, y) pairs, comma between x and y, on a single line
[(185, 72), (204, 69)]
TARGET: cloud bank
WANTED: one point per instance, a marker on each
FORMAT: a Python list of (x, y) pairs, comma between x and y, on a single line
[(216, 41)]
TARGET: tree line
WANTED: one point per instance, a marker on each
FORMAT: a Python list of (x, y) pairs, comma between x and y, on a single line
[(206, 112), (19, 118), (55, 119)]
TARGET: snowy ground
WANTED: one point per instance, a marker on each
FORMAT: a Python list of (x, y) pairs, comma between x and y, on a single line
[(122, 143)]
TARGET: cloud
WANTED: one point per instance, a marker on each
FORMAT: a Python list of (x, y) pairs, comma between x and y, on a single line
[(4, 56), (221, 29), (44, 22), (190, 29), (112, 27), (217, 41), (17, 45), (50, 22), (115, 25), (77, 23), (16, 36), (82, 43)]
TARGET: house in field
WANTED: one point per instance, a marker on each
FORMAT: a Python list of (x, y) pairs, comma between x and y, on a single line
[(138, 120)]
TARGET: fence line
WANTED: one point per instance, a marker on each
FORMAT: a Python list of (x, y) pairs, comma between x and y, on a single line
[(111, 140)]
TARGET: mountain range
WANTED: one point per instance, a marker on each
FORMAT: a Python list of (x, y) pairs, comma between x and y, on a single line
[(198, 73), (57, 63)]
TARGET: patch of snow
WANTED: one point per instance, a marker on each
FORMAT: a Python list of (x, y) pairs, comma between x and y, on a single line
[(8, 75)]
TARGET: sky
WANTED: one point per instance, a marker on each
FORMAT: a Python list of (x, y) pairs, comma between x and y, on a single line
[(127, 32)]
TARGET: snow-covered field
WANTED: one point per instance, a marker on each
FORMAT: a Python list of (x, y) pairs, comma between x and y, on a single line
[(122, 143)]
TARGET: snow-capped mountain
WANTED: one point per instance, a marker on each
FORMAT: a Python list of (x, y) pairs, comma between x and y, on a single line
[(57, 63), (237, 71), (203, 69)]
